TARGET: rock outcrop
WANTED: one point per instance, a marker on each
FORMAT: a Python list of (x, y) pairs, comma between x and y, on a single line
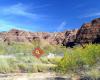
[(15, 35), (70, 37), (55, 38), (89, 33)]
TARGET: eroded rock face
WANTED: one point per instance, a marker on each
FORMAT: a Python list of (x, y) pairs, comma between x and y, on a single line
[(54, 38), (70, 37), (89, 33), (15, 35)]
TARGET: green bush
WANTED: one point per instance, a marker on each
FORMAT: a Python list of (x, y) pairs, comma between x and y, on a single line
[(78, 57)]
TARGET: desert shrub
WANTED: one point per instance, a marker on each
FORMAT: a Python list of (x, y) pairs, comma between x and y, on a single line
[(21, 47), (55, 49), (3, 48), (68, 62), (16, 48), (54, 60), (4, 66), (44, 60), (95, 73), (32, 68), (23, 64), (77, 57)]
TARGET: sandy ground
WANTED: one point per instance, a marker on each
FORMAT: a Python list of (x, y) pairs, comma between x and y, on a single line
[(32, 76)]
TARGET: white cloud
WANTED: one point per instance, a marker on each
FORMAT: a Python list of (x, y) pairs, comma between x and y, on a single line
[(20, 10), (14, 12), (92, 15), (61, 26), (4, 26), (9, 27), (95, 14)]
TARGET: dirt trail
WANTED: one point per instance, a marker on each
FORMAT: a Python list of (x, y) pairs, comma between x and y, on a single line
[(32, 76)]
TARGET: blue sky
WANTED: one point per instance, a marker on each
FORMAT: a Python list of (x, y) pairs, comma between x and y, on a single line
[(47, 15)]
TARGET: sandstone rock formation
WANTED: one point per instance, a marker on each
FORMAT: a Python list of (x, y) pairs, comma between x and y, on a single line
[(89, 33), (54, 38), (15, 35), (70, 37)]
